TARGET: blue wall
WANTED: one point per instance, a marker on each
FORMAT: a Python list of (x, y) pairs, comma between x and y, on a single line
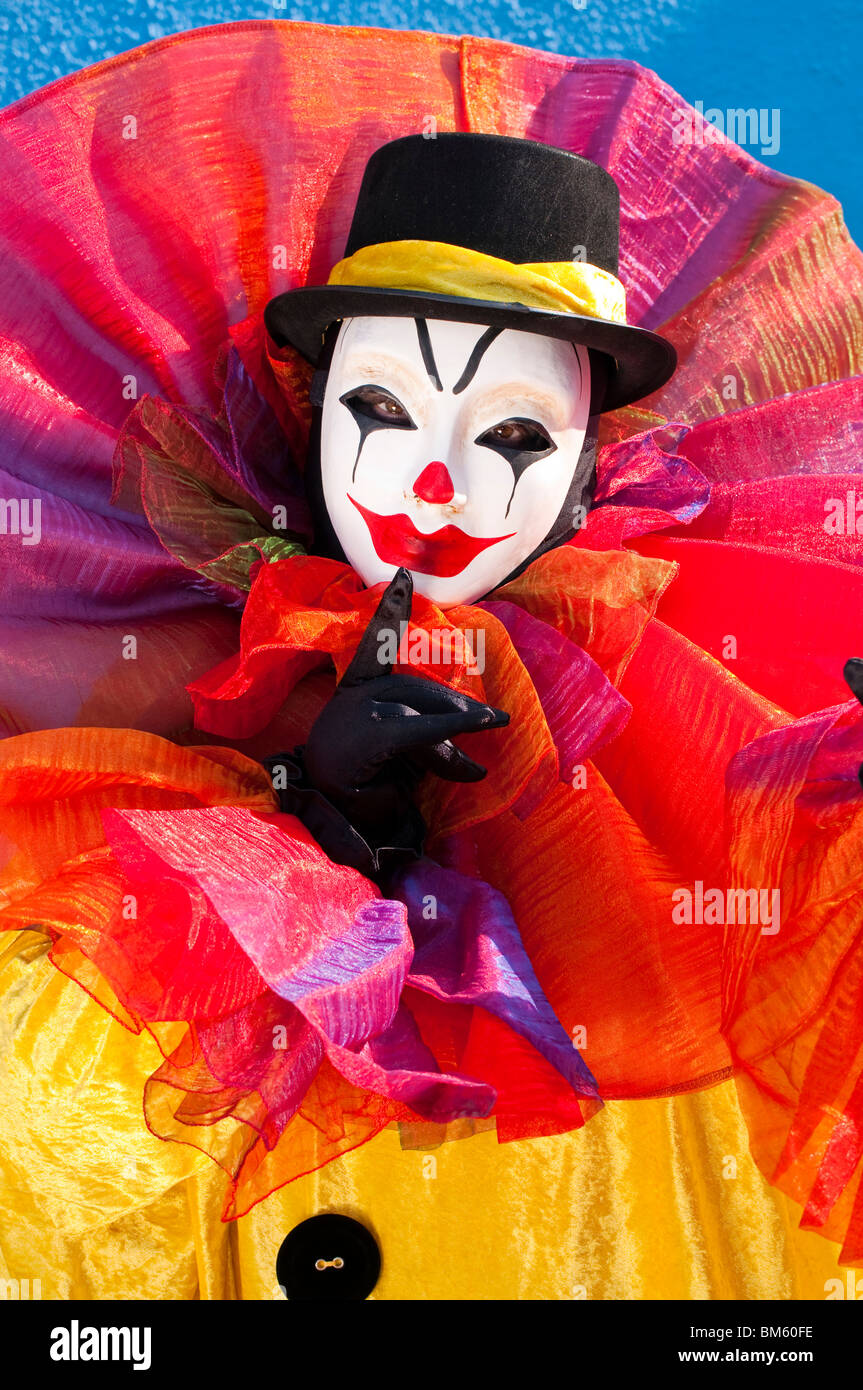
[(800, 57)]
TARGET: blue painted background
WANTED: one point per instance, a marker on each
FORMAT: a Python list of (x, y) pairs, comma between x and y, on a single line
[(795, 55)]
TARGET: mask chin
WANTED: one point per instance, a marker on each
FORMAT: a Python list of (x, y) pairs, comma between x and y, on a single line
[(579, 495)]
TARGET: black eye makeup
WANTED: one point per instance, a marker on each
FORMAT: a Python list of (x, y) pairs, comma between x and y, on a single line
[(521, 442), (380, 406), (373, 408), (522, 436)]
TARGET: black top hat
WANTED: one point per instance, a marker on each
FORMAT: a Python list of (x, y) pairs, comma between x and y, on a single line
[(514, 199)]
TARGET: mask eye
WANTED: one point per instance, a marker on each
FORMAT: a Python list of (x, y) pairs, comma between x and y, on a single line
[(517, 436), (521, 443), (380, 407)]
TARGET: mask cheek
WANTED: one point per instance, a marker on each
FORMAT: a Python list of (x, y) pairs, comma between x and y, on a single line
[(536, 499), (336, 463), (374, 484), (383, 471), (374, 469)]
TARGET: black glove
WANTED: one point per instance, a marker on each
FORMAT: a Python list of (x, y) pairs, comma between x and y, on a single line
[(853, 673), (352, 784)]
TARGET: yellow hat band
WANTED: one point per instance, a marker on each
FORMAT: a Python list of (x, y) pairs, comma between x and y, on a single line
[(435, 267)]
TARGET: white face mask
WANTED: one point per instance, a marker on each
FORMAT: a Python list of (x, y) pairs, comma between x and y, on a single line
[(448, 448)]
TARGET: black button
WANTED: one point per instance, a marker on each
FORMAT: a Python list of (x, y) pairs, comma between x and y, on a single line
[(328, 1257)]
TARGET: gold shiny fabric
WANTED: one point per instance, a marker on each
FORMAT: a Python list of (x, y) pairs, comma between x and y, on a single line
[(436, 267), (654, 1199)]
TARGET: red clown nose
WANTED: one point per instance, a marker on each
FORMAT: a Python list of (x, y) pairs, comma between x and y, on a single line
[(434, 484)]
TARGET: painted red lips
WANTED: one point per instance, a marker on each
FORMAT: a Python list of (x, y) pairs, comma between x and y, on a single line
[(443, 553)]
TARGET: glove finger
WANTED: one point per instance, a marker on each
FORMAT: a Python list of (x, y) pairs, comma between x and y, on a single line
[(447, 761), (394, 607), (430, 697), (405, 728), (853, 673)]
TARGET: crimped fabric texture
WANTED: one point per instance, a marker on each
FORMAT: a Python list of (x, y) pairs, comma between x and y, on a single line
[(569, 1082)]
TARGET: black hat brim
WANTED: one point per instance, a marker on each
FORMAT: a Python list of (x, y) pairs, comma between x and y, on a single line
[(642, 361)]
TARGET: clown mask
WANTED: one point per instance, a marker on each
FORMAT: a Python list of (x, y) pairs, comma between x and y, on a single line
[(449, 449)]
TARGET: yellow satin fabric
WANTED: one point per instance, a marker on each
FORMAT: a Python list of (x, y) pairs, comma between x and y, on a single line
[(640, 1204), (436, 267)]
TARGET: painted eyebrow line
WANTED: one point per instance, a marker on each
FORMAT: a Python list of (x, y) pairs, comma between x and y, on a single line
[(427, 353), (467, 376), (480, 347), (475, 358)]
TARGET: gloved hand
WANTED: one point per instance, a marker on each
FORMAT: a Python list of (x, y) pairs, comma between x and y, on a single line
[(853, 673), (371, 744)]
